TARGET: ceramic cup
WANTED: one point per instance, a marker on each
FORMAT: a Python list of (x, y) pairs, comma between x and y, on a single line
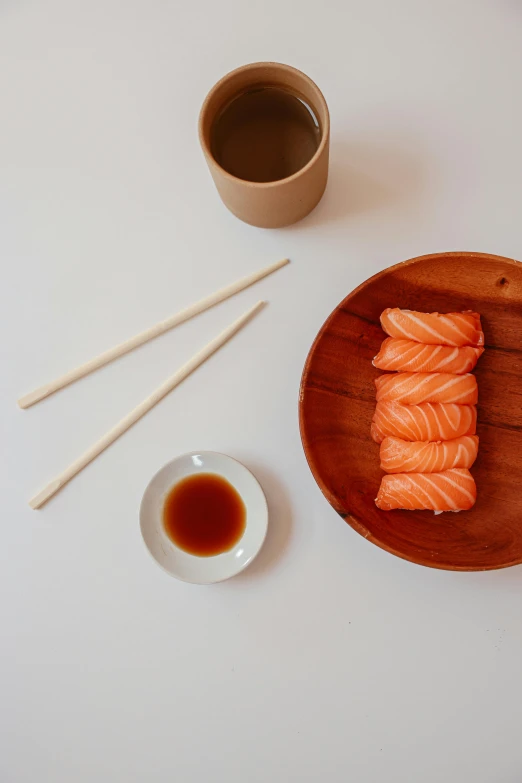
[(283, 201)]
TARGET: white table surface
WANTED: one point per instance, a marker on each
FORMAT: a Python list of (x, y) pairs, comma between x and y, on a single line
[(329, 659)]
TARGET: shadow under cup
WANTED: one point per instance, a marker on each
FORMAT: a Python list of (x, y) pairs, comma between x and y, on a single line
[(276, 202)]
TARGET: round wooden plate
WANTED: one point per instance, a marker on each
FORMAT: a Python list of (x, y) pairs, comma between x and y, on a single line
[(337, 402)]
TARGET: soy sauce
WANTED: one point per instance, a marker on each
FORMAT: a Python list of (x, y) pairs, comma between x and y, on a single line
[(204, 515), (265, 134)]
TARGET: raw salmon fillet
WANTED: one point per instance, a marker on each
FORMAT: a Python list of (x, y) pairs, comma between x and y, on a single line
[(402, 456), (412, 388), (407, 355), (433, 328), (429, 421), (451, 490)]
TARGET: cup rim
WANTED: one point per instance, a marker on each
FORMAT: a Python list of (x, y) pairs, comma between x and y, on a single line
[(272, 183)]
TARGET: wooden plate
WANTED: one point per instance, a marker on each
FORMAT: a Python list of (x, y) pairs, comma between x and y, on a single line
[(338, 399)]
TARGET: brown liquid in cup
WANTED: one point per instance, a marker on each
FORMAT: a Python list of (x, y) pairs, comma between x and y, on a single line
[(265, 134)]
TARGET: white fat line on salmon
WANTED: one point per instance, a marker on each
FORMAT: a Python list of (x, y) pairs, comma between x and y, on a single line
[(424, 458), (398, 493), (426, 454), (452, 381), (477, 325), (446, 497), (394, 415), (398, 352), (390, 381), (459, 486), (393, 451), (427, 379), (428, 425), (444, 453), (417, 359), (413, 347), (415, 483), (432, 353), (418, 432), (401, 328), (457, 455), (453, 355), (423, 454), (444, 407), (452, 325), (401, 360), (424, 326), (390, 385), (463, 394)]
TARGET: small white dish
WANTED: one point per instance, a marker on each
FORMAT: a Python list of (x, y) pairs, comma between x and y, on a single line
[(181, 564)]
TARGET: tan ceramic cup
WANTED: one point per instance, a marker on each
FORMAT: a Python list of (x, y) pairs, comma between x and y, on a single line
[(284, 201)]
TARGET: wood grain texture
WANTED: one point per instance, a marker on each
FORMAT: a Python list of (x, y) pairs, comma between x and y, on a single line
[(337, 402)]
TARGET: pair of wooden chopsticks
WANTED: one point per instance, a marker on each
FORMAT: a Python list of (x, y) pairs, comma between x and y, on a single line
[(99, 361)]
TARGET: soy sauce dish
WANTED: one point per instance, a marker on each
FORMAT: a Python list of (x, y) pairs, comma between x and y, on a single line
[(203, 517)]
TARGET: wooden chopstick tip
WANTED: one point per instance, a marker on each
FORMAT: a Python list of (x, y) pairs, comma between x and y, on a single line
[(259, 306), (249, 315), (24, 402), (282, 263)]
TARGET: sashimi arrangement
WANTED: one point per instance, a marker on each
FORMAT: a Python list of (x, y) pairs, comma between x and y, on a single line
[(425, 418)]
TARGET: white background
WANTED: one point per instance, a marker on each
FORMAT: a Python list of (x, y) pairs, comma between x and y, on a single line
[(329, 659)]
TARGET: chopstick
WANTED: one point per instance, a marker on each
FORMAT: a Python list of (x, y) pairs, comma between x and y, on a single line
[(42, 497), (154, 331)]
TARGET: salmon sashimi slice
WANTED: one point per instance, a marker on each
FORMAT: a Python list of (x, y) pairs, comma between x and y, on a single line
[(407, 355), (450, 490), (429, 421), (402, 456), (412, 388), (433, 328)]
